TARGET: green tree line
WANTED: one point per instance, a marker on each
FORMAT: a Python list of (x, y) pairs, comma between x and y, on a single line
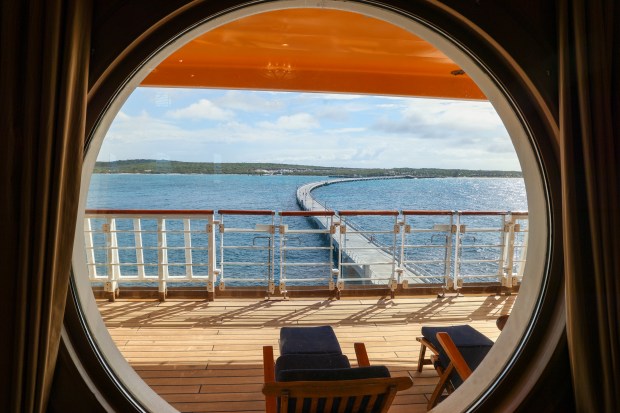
[(152, 166)]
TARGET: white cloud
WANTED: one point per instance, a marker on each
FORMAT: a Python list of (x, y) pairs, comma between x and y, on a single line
[(341, 130), (435, 118), (345, 130), (293, 122), (203, 109)]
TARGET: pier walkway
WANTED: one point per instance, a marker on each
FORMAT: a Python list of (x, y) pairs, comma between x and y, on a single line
[(374, 263)]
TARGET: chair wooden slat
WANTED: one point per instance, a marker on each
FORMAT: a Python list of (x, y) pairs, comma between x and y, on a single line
[(313, 404), (389, 399), (361, 354), (343, 404), (357, 403), (299, 405), (343, 389), (453, 353), (371, 402), (284, 402), (328, 404)]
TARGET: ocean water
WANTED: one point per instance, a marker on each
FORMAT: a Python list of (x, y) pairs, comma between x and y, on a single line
[(136, 191), (252, 192)]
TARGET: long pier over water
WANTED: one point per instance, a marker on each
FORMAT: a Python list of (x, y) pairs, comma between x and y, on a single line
[(374, 263)]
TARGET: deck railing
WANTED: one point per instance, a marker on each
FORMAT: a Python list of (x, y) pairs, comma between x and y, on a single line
[(345, 250)]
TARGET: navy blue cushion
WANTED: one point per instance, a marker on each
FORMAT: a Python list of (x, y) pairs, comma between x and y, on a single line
[(309, 340), (463, 336), (472, 344), (357, 373), (311, 361)]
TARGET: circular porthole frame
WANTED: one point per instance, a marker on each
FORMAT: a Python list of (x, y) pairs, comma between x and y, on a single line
[(505, 376)]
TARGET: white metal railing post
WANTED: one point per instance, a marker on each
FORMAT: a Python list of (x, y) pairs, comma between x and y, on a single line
[(111, 286), (211, 248), (162, 258), (523, 255), (334, 225), (282, 248), (187, 238), (404, 230), (342, 244), (457, 255), (137, 227), (448, 251), (271, 254), (393, 281), (504, 253), (510, 251), (222, 230), (334, 272), (90, 249)]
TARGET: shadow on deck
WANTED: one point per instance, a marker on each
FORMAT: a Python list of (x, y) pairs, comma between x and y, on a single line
[(206, 356)]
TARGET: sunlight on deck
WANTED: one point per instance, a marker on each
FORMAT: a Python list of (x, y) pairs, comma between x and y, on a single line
[(206, 356)]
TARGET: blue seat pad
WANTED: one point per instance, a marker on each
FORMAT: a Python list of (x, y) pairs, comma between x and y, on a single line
[(472, 344), (309, 340), (463, 336), (311, 361), (356, 373)]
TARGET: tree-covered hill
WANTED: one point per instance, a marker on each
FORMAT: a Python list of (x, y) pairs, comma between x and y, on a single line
[(151, 166)]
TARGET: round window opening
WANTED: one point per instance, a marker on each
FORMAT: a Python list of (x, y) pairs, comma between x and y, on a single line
[(264, 74)]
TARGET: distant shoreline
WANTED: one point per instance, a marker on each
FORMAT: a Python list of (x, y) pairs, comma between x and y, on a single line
[(157, 167)]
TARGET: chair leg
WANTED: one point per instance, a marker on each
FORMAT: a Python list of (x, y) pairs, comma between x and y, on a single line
[(421, 359), (269, 376), (425, 344), (441, 386)]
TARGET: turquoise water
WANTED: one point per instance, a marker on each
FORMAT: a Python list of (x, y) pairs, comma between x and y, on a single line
[(462, 194), (135, 191)]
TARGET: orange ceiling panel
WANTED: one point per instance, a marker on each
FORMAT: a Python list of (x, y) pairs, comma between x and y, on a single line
[(314, 50)]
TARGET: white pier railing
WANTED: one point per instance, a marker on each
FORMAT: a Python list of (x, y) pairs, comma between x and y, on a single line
[(465, 246), (150, 246), (247, 258), (302, 250)]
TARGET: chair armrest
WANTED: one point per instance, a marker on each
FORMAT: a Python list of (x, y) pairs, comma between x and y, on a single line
[(270, 377), (428, 345), (453, 353), (361, 354)]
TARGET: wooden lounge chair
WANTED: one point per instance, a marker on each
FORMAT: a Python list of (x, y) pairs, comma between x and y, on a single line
[(457, 351), (325, 383)]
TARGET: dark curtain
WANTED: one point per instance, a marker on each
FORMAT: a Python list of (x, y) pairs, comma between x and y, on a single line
[(590, 150), (44, 58)]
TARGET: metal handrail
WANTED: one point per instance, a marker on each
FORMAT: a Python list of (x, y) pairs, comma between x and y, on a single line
[(109, 247), (303, 238), (263, 263), (402, 249)]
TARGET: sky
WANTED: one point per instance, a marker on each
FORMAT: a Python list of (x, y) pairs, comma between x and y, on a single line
[(361, 131)]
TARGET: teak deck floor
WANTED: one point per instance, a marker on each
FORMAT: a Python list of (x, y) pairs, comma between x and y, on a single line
[(206, 356)]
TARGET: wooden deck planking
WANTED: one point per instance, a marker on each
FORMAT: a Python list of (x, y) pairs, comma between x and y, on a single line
[(206, 356)]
